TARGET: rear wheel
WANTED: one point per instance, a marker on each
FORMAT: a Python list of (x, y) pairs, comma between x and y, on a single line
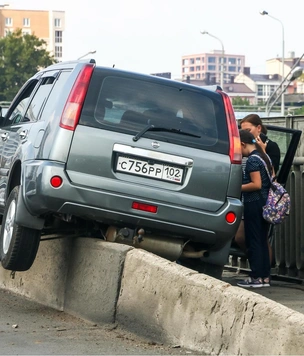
[(18, 244)]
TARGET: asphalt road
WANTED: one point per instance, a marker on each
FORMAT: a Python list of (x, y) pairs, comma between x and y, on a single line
[(29, 328), (288, 293)]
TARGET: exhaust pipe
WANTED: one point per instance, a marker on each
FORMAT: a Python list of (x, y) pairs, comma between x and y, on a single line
[(169, 248)]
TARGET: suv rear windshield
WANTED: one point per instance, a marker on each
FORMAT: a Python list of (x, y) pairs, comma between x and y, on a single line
[(180, 114)]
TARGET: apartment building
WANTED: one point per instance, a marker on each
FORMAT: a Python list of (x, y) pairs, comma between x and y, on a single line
[(264, 85), (46, 25), (207, 66)]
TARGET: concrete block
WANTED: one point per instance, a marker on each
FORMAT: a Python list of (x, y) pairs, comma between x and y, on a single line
[(94, 278), (166, 302), (45, 281)]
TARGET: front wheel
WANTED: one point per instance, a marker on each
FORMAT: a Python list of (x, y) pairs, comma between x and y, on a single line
[(18, 244)]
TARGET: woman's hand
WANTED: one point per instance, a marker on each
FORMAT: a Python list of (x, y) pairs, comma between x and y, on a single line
[(261, 143)]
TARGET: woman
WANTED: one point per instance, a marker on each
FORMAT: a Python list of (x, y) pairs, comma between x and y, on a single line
[(254, 124), (255, 188)]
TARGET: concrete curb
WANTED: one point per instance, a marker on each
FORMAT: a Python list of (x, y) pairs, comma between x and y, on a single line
[(106, 282), (181, 307)]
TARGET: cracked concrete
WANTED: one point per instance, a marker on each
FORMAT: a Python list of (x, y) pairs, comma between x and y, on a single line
[(166, 302)]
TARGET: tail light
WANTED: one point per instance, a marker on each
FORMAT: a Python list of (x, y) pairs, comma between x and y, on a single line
[(235, 152), (230, 217), (73, 106)]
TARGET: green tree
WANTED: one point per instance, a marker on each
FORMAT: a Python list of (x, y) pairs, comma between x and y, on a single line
[(238, 101), (299, 111), (21, 56)]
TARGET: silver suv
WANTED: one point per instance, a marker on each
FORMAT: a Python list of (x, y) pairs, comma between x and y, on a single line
[(131, 158)]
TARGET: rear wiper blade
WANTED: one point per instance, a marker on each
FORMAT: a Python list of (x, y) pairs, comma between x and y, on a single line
[(151, 127)]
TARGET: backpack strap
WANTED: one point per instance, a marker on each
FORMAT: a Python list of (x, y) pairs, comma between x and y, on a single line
[(265, 165)]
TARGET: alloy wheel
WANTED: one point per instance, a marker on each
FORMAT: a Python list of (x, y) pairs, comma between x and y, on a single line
[(9, 226)]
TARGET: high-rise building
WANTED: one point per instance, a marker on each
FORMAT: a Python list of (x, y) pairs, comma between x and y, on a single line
[(207, 66), (46, 25)]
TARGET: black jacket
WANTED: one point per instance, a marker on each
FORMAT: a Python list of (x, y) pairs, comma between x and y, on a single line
[(273, 151)]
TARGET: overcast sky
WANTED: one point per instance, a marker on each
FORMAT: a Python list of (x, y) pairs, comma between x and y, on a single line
[(151, 36)]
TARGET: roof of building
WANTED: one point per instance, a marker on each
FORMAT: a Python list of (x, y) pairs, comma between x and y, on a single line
[(265, 77), (229, 88), (237, 88)]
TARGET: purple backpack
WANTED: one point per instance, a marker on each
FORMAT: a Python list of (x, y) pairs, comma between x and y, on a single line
[(278, 202)]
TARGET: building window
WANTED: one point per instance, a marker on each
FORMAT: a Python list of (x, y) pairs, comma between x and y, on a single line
[(232, 61), (191, 60), (198, 68), (26, 32), (58, 51), (7, 32), (212, 68), (260, 90), (231, 69), (198, 60), (26, 22), (185, 62), (58, 36), (191, 69), (198, 76), (8, 21), (272, 88), (57, 22), (211, 59)]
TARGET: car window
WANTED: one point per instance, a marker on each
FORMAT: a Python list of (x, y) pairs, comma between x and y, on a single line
[(129, 105), (17, 112), (36, 105), (54, 95), (287, 140)]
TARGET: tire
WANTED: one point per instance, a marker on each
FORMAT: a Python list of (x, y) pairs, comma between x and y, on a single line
[(18, 244)]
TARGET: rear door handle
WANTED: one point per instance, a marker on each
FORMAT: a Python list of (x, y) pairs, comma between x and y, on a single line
[(23, 134), (4, 136)]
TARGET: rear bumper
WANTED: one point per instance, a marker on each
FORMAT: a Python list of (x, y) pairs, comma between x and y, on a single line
[(109, 207)]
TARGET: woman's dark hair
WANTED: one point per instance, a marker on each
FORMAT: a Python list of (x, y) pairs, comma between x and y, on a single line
[(255, 120), (247, 137)]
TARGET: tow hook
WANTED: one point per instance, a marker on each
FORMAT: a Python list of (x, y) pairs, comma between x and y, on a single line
[(139, 237)]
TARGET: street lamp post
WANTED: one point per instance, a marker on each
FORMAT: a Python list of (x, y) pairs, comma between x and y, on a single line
[(222, 58), (91, 52), (283, 59)]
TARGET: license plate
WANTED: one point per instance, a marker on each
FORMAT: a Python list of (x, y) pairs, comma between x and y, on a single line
[(161, 171)]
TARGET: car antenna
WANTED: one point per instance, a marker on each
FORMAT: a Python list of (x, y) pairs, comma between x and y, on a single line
[(113, 65)]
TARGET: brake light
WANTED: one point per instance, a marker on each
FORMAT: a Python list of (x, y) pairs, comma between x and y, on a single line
[(230, 217), (144, 207), (235, 152), (73, 106)]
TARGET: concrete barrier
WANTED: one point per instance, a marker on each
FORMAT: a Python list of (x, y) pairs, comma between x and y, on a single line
[(45, 281), (107, 282), (178, 306)]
